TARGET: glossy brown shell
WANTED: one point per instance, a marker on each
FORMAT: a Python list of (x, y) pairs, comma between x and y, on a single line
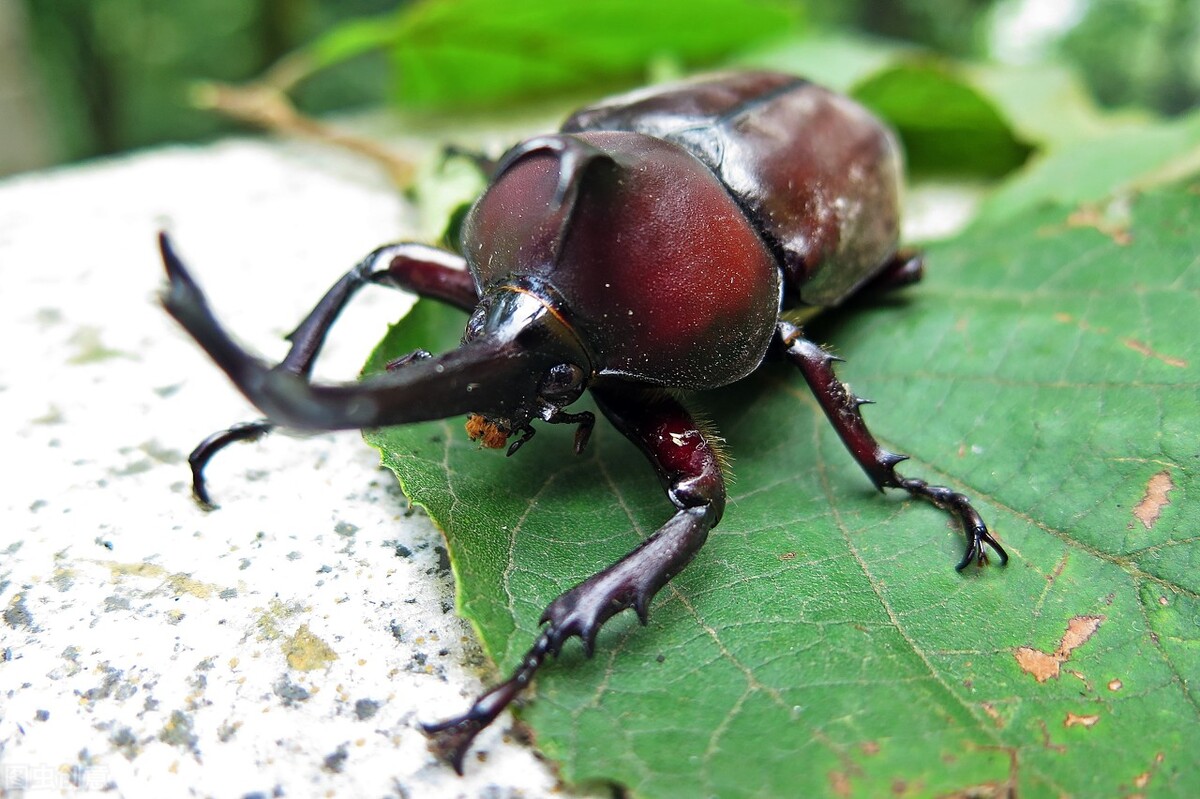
[(818, 175), (641, 250)]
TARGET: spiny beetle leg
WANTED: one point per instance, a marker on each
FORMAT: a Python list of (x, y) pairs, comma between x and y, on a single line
[(905, 268), (424, 270), (972, 524), (631, 582), (842, 408), (450, 739), (204, 451), (252, 431), (405, 360), (427, 272), (690, 472)]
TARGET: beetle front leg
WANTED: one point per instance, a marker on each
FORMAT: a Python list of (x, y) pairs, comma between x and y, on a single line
[(690, 471), (842, 408), (424, 270)]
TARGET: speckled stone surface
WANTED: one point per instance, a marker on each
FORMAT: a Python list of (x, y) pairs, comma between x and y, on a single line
[(284, 645)]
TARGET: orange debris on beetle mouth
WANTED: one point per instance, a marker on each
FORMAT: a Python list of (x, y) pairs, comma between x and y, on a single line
[(488, 434)]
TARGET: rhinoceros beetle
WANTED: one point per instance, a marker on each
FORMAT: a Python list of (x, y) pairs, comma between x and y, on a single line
[(670, 238)]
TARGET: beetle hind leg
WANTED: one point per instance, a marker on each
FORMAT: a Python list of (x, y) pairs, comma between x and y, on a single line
[(842, 409), (690, 471)]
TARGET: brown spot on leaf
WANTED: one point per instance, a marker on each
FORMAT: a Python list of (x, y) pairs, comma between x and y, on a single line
[(1082, 324), (1112, 221), (1144, 349), (1143, 779), (839, 781), (993, 714), (870, 748), (1154, 500), (1115, 685), (1087, 685), (1043, 666), (1046, 742), (1038, 663), (1073, 720), (1079, 630), (788, 556), (1058, 569), (1134, 344), (983, 790)]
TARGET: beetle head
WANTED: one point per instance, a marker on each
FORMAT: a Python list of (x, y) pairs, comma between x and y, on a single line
[(535, 353), (519, 360)]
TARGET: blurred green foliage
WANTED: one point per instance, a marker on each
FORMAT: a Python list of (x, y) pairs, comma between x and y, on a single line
[(1140, 52), (116, 73), (483, 54), (1143, 53), (946, 124)]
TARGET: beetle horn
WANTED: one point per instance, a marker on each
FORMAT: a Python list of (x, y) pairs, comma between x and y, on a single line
[(496, 375)]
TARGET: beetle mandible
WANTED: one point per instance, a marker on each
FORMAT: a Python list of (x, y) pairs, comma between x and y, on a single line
[(664, 239)]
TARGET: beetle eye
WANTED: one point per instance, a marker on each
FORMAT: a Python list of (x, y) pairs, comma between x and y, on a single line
[(563, 382), (476, 322)]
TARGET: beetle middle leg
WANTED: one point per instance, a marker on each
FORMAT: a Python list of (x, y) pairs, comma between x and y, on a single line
[(905, 268), (690, 471), (880, 465), (426, 271)]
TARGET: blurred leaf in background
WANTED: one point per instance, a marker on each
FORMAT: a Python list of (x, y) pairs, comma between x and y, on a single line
[(1139, 52), (1130, 52), (479, 52), (117, 73), (113, 75), (468, 56)]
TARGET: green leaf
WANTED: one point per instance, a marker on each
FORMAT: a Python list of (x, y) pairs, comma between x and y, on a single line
[(822, 642), (945, 113), (1121, 161), (948, 126), (837, 59), (353, 38), (462, 53), (1049, 105), (480, 51)]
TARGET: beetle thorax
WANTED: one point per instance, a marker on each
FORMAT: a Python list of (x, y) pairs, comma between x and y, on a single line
[(664, 278)]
